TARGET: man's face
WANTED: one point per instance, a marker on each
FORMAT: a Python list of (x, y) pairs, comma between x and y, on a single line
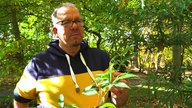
[(69, 27)]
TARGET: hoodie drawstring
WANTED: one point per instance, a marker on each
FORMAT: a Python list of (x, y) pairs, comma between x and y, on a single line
[(73, 74), (89, 71)]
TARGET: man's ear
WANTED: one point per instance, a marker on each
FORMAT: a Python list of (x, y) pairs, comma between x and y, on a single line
[(54, 30)]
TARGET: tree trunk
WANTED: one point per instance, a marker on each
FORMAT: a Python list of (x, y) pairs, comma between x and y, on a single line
[(134, 60), (176, 74), (19, 52)]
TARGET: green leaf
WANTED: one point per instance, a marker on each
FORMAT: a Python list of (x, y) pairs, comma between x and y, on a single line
[(110, 73), (61, 101), (102, 77), (107, 105), (106, 76), (128, 57), (61, 98), (105, 82), (124, 76), (71, 106), (90, 90), (121, 84)]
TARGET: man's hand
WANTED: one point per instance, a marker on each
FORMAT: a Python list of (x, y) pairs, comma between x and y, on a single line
[(119, 95), (20, 105)]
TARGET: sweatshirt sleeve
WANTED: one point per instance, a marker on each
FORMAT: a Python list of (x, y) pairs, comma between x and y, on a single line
[(25, 89)]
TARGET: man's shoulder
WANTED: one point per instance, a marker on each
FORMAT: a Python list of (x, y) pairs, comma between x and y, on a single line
[(97, 51), (42, 55)]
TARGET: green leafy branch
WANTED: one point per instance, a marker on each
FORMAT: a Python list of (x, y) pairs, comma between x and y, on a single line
[(105, 82)]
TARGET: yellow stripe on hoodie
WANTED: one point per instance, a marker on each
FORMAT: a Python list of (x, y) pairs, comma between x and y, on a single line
[(49, 89)]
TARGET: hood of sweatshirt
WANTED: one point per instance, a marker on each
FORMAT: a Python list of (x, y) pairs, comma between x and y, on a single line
[(55, 49)]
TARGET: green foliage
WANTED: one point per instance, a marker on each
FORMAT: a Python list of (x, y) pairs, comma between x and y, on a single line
[(6, 101), (167, 93), (107, 105), (113, 25), (18, 50), (61, 101), (121, 58), (71, 106), (187, 91)]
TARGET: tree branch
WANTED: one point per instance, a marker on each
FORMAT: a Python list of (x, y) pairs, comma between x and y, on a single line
[(95, 33)]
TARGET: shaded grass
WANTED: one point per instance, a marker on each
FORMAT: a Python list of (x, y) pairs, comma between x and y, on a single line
[(6, 101), (144, 97)]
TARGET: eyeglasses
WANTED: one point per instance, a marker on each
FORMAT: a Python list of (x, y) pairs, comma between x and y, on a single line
[(69, 23)]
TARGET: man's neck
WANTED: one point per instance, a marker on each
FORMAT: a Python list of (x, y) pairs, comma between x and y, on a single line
[(71, 50)]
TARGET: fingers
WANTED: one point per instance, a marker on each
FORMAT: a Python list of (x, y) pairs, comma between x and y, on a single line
[(115, 74), (118, 90), (119, 95), (126, 81)]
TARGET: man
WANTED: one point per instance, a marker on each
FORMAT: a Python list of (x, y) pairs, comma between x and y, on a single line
[(66, 67)]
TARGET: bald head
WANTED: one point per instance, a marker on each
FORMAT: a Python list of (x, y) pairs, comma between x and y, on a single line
[(60, 11)]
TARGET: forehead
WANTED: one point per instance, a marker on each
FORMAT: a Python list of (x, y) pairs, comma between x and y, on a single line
[(68, 13)]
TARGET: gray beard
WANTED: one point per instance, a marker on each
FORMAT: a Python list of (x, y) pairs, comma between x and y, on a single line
[(76, 44)]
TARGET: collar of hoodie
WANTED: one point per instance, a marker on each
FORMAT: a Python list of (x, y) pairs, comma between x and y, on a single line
[(55, 49)]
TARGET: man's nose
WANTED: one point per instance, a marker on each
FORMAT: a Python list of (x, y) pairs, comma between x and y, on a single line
[(74, 25)]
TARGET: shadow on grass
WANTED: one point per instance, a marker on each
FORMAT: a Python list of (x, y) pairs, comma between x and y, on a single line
[(149, 97)]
